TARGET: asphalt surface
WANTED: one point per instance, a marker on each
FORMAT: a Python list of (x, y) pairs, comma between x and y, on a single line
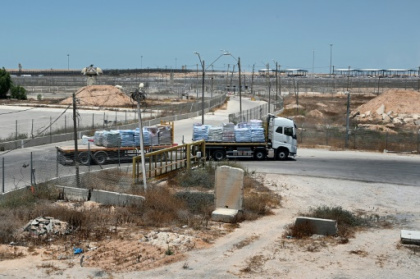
[(397, 169)]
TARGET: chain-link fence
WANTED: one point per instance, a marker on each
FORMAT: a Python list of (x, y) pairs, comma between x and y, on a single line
[(360, 139)]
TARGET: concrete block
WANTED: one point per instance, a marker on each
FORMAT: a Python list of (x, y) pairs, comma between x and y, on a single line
[(410, 237), (105, 197), (228, 188), (319, 226), (126, 199), (225, 215), (73, 194)]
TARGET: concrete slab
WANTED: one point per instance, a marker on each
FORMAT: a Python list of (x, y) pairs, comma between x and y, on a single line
[(228, 187), (319, 226), (410, 237), (226, 215)]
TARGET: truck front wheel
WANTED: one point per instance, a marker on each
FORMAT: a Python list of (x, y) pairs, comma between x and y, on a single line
[(282, 154), (259, 155)]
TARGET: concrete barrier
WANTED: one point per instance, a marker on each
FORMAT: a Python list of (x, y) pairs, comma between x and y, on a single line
[(113, 198), (318, 226), (73, 194)]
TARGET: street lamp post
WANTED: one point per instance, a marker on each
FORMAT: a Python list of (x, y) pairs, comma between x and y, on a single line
[(331, 45), (203, 68)]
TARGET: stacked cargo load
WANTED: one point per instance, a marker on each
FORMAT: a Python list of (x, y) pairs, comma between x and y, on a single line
[(200, 132), (165, 135), (111, 138), (242, 134), (98, 138), (215, 134), (127, 138), (228, 132)]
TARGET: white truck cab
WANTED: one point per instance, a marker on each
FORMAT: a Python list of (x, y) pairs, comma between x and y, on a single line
[(282, 136)]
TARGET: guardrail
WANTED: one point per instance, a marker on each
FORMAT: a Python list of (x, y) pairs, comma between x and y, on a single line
[(162, 162)]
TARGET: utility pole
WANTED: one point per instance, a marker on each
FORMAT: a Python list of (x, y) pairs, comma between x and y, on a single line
[(252, 80), (347, 120), (269, 87), (277, 86), (202, 95), (76, 152), (240, 85), (137, 96), (227, 78)]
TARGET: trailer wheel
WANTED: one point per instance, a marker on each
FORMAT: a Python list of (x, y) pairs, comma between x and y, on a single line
[(259, 155), (84, 158), (282, 154), (218, 155), (100, 157)]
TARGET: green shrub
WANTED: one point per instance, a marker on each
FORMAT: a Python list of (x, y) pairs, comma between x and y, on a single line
[(18, 92)]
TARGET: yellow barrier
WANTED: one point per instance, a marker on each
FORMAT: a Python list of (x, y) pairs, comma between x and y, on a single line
[(161, 162)]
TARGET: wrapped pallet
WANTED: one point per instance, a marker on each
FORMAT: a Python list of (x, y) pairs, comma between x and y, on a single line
[(215, 134), (200, 132), (127, 138), (98, 138), (228, 132), (111, 138), (243, 134)]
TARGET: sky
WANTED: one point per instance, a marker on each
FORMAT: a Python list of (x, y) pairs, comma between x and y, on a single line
[(130, 34)]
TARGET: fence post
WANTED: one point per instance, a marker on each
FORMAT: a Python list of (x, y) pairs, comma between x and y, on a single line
[(386, 140), (2, 175), (65, 123), (50, 130), (326, 135), (93, 120), (56, 163), (418, 141)]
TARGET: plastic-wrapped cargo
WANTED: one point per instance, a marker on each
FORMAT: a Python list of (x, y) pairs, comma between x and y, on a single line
[(215, 134), (242, 125), (153, 134), (98, 138), (200, 132), (165, 135), (86, 139), (127, 138), (146, 137), (228, 132), (243, 134), (255, 123), (257, 134), (111, 138)]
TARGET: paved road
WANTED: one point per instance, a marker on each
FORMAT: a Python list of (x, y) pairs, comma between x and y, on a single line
[(352, 165)]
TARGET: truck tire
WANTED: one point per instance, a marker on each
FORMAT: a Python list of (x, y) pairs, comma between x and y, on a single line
[(259, 155), (218, 155), (84, 158), (100, 157), (282, 154)]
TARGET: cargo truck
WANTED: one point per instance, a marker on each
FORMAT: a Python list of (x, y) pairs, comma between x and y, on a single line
[(89, 154), (280, 142)]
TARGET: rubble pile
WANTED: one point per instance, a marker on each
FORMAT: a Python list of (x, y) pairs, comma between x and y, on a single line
[(399, 107), (100, 96), (46, 225)]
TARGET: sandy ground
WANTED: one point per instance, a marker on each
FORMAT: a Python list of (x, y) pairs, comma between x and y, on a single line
[(258, 249)]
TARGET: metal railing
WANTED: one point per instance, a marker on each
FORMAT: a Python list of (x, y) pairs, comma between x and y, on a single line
[(162, 162)]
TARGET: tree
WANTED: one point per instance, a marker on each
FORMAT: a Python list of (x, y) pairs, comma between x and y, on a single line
[(5, 83), (18, 92)]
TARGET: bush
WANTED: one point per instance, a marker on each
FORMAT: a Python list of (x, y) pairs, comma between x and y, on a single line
[(18, 92)]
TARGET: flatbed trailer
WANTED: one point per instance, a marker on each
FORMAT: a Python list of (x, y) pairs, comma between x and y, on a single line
[(101, 154), (221, 150)]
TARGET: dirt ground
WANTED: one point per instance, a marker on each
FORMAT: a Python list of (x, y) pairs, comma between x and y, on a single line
[(256, 249)]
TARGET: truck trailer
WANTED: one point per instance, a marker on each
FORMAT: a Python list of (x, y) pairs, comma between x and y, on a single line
[(89, 154), (280, 143)]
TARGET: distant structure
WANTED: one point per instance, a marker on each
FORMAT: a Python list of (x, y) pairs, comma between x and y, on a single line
[(92, 73)]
